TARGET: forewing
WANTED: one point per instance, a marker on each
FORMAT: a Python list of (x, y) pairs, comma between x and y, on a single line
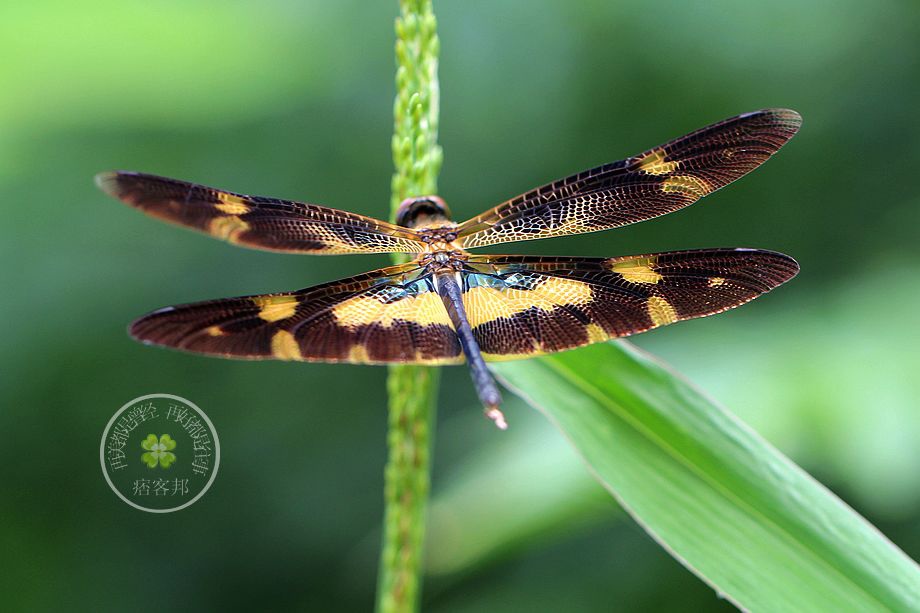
[(392, 315), (521, 306), (258, 222), (659, 181)]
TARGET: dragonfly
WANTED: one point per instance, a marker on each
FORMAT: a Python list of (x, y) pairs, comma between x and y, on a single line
[(448, 305)]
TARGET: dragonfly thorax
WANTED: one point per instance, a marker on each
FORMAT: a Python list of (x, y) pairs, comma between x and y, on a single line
[(436, 261)]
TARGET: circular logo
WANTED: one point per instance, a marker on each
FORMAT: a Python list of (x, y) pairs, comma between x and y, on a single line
[(159, 453)]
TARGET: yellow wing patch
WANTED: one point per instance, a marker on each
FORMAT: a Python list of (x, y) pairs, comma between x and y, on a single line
[(418, 359), (227, 228), (425, 309), (484, 304), (655, 163), (358, 355), (275, 308), (660, 311), (596, 334), (231, 204), (507, 357), (638, 270), (565, 291), (686, 184), (285, 347)]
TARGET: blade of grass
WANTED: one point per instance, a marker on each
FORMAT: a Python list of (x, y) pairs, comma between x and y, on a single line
[(718, 497), (412, 389)]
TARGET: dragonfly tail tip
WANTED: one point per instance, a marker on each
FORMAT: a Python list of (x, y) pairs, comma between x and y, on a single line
[(495, 414)]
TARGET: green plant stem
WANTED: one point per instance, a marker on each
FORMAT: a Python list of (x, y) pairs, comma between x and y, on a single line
[(412, 389)]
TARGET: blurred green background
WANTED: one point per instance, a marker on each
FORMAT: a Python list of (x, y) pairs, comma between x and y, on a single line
[(294, 99)]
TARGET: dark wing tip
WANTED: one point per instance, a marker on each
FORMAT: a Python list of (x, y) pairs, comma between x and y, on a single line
[(118, 183), (139, 331), (778, 114), (148, 329), (772, 267), (786, 121), (789, 115), (108, 182)]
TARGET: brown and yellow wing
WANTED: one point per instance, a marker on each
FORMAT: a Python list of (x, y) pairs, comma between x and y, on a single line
[(391, 315), (659, 181), (521, 306), (258, 222)]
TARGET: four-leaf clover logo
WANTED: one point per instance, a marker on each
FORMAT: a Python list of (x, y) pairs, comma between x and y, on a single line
[(158, 451)]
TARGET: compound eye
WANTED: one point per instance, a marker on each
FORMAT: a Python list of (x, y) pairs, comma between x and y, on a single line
[(414, 212)]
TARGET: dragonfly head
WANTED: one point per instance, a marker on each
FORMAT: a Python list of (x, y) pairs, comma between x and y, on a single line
[(421, 212)]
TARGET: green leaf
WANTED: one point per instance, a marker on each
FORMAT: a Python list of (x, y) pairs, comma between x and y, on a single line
[(168, 443), (149, 442), (167, 458), (150, 459), (719, 498)]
